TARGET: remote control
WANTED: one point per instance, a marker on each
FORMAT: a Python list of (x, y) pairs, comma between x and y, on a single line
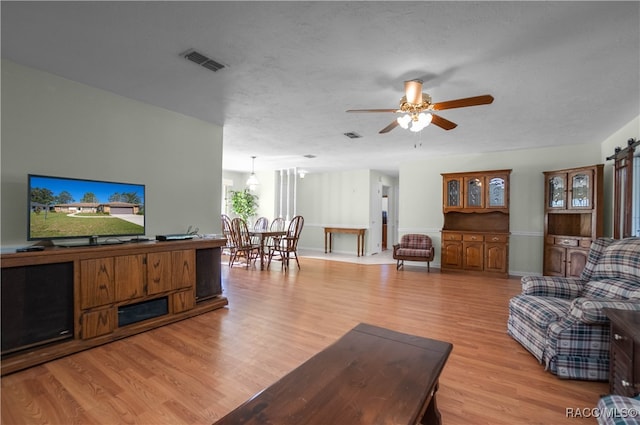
[(30, 248)]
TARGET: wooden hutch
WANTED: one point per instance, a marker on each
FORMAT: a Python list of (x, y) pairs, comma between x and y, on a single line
[(60, 301), (572, 218), (475, 235)]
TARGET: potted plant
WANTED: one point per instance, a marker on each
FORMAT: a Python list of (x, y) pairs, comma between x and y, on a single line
[(244, 203)]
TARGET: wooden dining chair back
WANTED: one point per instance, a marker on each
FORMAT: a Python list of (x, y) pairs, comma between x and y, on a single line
[(277, 225), (287, 245), (261, 224), (226, 232), (243, 245)]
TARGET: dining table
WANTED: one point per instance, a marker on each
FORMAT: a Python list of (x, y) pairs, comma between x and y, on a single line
[(262, 235)]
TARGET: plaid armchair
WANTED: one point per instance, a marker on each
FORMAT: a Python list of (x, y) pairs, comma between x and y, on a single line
[(560, 320), (413, 247)]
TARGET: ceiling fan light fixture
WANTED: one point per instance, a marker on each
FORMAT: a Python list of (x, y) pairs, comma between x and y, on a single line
[(413, 90), (404, 121)]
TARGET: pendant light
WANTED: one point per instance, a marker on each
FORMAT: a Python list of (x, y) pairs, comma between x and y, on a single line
[(252, 181)]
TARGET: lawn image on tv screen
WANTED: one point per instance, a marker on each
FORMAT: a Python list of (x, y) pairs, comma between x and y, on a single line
[(68, 208)]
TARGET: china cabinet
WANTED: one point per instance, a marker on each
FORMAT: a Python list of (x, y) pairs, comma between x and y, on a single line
[(573, 218), (475, 235)]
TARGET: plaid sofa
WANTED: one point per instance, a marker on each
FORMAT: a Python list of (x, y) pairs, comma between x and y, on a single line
[(413, 247), (618, 410), (560, 320)]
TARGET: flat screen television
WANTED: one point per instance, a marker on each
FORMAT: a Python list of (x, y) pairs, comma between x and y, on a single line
[(65, 208)]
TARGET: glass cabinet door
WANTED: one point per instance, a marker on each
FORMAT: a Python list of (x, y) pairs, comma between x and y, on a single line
[(557, 192), (453, 193), (473, 193), (580, 190), (496, 192)]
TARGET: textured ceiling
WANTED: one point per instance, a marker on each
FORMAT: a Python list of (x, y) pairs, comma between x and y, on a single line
[(560, 72)]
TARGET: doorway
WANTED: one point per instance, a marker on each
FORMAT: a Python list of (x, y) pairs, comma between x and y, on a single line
[(385, 217)]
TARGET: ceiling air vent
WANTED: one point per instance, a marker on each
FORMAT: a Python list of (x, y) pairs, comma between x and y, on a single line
[(352, 135), (203, 60)]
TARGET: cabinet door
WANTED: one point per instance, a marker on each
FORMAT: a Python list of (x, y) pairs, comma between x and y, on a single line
[(97, 282), (556, 191), (497, 195), (576, 260), (473, 192), (495, 258), (183, 266), (451, 254), (453, 192), (100, 322), (554, 260), (158, 272), (182, 301), (580, 190), (473, 254), (130, 277)]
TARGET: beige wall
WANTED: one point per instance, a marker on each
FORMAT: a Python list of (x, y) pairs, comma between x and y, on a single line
[(54, 126)]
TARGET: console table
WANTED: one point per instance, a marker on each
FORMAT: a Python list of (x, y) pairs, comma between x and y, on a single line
[(60, 300), (359, 232), (371, 375)]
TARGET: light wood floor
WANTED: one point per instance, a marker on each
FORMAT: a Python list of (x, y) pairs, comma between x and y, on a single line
[(197, 370)]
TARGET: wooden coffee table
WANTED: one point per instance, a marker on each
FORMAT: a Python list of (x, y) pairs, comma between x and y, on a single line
[(369, 376)]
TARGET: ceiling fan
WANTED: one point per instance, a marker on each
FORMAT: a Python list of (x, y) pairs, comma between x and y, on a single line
[(416, 107)]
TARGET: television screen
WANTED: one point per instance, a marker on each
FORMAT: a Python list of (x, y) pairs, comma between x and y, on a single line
[(62, 208)]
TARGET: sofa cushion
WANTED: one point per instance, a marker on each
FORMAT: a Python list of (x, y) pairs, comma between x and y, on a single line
[(621, 259), (539, 311), (408, 252), (618, 410), (615, 288), (595, 251), (415, 241)]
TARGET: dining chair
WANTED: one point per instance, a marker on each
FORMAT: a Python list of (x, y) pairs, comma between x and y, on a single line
[(226, 232), (277, 225), (287, 245), (243, 246), (262, 223)]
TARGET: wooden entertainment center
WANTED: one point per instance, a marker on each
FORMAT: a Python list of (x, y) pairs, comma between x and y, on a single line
[(60, 300)]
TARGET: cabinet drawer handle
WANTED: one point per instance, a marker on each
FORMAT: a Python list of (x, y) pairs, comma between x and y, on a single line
[(565, 242), (473, 238), (625, 383), (495, 238), (618, 337)]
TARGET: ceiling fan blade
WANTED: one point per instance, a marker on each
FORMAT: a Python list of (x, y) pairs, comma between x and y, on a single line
[(373, 110), (461, 103), (390, 127), (442, 122), (413, 91)]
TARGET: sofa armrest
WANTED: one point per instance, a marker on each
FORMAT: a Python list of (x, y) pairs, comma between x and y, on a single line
[(552, 286), (589, 310)]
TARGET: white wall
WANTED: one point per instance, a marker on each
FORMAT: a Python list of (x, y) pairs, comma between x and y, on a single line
[(333, 199), (55, 126)]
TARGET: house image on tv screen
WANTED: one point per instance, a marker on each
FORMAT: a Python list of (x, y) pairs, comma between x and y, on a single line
[(112, 208)]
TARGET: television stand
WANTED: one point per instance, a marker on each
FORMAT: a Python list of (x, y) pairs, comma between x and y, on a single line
[(59, 301)]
